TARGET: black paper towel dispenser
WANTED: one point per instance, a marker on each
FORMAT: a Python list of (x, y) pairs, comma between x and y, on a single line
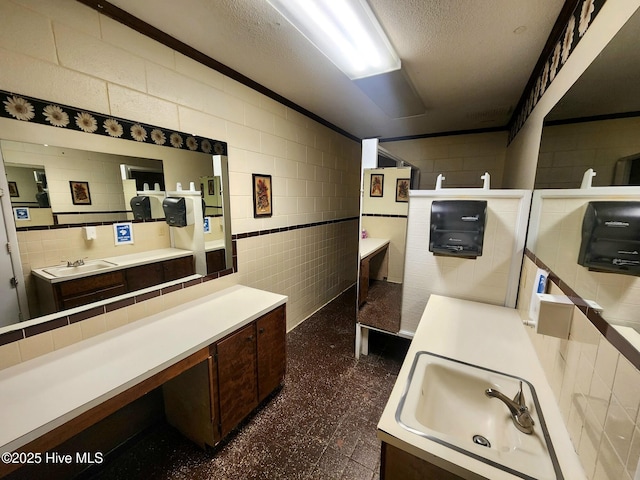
[(611, 237), (175, 211), (141, 207), (457, 227)]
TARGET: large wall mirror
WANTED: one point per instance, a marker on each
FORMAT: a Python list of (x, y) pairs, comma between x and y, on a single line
[(595, 125), (66, 189), (386, 180)]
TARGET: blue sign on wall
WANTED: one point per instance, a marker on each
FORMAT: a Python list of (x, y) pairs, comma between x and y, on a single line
[(207, 224), (123, 233), (21, 213)]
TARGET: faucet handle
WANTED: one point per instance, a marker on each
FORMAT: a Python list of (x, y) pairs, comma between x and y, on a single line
[(519, 398)]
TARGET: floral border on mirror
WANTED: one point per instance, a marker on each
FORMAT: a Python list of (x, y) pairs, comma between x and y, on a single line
[(29, 109), (577, 25)]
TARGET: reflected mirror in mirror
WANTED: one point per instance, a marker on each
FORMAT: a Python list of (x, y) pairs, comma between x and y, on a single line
[(595, 125), (66, 265), (42, 174), (384, 225)]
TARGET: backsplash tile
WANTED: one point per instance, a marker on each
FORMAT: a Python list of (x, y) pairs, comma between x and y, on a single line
[(599, 396)]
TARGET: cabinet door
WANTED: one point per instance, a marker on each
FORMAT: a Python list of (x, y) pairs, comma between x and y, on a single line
[(272, 351), (178, 268), (144, 276), (215, 261), (238, 390)]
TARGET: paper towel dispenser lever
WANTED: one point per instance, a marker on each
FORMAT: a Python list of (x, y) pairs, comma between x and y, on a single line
[(175, 211), (457, 227), (611, 237), (141, 207)]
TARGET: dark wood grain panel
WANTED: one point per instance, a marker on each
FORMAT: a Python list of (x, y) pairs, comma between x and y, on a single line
[(90, 283), (237, 377), (144, 276), (178, 268), (272, 351), (399, 465)]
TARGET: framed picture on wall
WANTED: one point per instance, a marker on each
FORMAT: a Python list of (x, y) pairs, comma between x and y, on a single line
[(80, 193), (262, 206), (211, 187), (13, 189), (402, 190), (377, 185)]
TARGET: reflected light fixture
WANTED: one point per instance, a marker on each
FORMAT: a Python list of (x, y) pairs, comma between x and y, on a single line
[(345, 31)]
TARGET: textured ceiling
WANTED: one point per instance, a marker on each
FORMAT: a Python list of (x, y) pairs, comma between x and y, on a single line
[(469, 61)]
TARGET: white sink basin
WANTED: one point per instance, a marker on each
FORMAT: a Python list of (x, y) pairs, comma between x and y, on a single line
[(88, 267), (445, 401)]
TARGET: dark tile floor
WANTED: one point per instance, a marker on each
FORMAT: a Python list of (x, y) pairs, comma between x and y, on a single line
[(320, 425)]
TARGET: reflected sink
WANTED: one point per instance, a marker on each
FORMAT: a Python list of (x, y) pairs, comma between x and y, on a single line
[(445, 401), (88, 267)]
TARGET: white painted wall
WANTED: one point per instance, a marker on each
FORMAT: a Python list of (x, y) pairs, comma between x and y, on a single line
[(490, 278)]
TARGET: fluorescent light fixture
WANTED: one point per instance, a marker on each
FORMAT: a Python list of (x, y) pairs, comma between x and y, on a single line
[(346, 31)]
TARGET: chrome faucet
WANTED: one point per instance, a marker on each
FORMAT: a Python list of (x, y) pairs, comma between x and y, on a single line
[(517, 407), (75, 263)]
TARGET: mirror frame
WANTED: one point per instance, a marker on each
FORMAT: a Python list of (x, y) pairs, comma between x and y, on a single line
[(32, 120)]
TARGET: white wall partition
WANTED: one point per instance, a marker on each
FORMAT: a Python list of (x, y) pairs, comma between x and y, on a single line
[(490, 278)]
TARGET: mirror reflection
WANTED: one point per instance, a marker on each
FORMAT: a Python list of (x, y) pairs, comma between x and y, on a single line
[(594, 126), (72, 212), (45, 178), (383, 223)]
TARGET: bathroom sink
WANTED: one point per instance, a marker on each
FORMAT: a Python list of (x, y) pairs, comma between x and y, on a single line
[(445, 401), (88, 267)]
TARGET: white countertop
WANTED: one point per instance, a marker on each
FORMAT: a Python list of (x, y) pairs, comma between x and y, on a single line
[(488, 336), (120, 262), (41, 394), (369, 245), (212, 245)]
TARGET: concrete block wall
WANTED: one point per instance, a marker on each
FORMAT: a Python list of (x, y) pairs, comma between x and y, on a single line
[(567, 151), (65, 52), (462, 159)]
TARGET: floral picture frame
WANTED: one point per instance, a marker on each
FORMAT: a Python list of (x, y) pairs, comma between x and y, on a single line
[(377, 185), (80, 194), (262, 195), (402, 190)]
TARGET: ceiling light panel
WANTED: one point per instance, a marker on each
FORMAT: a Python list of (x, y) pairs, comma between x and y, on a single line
[(346, 31)]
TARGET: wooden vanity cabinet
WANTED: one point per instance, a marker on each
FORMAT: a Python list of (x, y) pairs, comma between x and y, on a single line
[(208, 401), (73, 293), (396, 464), (151, 274), (177, 268), (92, 288), (144, 276)]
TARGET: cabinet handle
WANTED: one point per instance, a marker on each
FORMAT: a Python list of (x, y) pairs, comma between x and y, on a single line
[(249, 338), (261, 330)]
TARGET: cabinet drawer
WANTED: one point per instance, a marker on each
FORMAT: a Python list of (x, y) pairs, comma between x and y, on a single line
[(90, 283), (95, 296)]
